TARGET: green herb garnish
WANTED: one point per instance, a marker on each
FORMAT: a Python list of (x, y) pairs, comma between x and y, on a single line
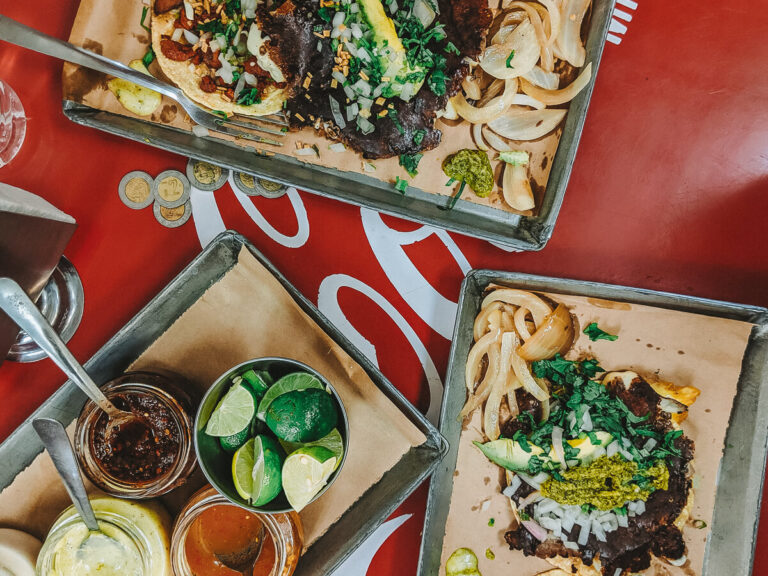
[(418, 136), (509, 59), (148, 57), (144, 15), (401, 185), (492, 521), (451, 48), (411, 163), (595, 333)]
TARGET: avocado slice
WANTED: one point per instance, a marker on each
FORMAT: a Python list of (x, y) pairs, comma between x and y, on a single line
[(387, 41), (510, 454)]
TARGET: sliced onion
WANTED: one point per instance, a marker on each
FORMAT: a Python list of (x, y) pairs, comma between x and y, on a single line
[(554, 19), (475, 356), (539, 309), (526, 100), (526, 47), (491, 111), (481, 321), (514, 484), (493, 90), (543, 79), (544, 403), (190, 37), (520, 325), (498, 388), (516, 187), (480, 394), (512, 385), (471, 88), (523, 374), (189, 12), (536, 20), (527, 124), (569, 42), (496, 142), (177, 34), (554, 335), (477, 136), (555, 97), (536, 531)]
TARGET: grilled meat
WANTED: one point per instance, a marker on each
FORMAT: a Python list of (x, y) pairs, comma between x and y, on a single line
[(652, 532)]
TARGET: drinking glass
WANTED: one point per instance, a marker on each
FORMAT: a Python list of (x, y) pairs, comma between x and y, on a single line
[(13, 124)]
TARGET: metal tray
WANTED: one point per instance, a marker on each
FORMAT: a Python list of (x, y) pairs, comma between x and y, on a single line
[(740, 484), (23, 445), (510, 230)]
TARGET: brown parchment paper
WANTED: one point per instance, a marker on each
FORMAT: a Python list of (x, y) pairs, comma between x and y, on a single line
[(247, 314), (111, 28), (679, 347)]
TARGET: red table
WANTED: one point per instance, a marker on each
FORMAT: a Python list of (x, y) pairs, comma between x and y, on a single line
[(669, 192)]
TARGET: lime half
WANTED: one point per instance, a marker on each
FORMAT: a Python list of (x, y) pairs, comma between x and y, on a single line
[(235, 441), (233, 414), (288, 383), (305, 472), (333, 442), (243, 468)]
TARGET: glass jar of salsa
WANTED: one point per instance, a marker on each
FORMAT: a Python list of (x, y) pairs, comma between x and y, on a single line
[(145, 458), (210, 527)]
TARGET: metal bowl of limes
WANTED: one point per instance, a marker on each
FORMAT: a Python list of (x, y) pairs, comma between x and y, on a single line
[(271, 435)]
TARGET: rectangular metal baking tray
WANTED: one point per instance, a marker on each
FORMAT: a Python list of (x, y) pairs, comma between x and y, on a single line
[(510, 230), (357, 523), (740, 483)]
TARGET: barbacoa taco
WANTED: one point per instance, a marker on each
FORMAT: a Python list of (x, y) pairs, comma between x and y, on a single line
[(218, 53)]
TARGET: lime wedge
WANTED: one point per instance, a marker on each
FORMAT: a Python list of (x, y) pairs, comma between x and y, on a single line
[(332, 442), (258, 381), (233, 413), (268, 459), (305, 472), (288, 383), (243, 468)]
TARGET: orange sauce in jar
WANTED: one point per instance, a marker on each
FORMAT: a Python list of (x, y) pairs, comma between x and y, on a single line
[(226, 529)]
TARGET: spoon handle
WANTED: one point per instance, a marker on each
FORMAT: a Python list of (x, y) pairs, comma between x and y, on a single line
[(56, 441), (15, 302)]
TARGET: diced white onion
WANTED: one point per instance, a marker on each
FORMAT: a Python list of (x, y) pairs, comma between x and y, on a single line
[(349, 92), (612, 449), (362, 53), (362, 87), (337, 147), (537, 531), (221, 41), (352, 111), (365, 103), (640, 507), (346, 34), (340, 78), (424, 12), (249, 8), (319, 45), (354, 8), (239, 86), (336, 111), (622, 520), (586, 425), (351, 48), (584, 532), (650, 444), (529, 480), (379, 89), (250, 79), (618, 571), (200, 131), (189, 12), (407, 92), (365, 126), (335, 33), (338, 19), (531, 498), (191, 38), (177, 34), (393, 7), (514, 484), (357, 32), (598, 531), (541, 477), (557, 446), (306, 152), (571, 545)]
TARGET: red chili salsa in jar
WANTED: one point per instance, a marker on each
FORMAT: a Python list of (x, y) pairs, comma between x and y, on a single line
[(140, 451)]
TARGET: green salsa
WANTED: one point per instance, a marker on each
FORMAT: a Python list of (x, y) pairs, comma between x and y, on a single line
[(472, 167), (607, 483)]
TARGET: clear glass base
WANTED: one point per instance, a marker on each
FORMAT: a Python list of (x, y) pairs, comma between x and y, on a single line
[(13, 124)]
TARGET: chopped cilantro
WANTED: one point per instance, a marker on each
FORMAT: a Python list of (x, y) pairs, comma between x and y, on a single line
[(325, 14), (450, 181), (396, 121), (595, 333), (418, 136), (509, 59), (455, 197), (401, 185), (451, 48), (220, 113), (492, 521), (524, 515), (410, 162)]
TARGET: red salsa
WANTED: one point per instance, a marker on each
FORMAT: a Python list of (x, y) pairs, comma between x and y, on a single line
[(142, 450)]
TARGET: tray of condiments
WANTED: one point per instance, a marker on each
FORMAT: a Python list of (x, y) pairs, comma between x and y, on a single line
[(264, 444)]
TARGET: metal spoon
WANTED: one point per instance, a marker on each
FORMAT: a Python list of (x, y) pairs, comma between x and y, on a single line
[(244, 561), (15, 302), (56, 441)]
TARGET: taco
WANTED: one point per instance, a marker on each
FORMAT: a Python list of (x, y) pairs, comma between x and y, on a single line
[(218, 55)]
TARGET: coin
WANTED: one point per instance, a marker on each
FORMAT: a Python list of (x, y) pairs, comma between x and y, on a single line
[(135, 190), (271, 189), (246, 184), (173, 217), (171, 189), (206, 176)]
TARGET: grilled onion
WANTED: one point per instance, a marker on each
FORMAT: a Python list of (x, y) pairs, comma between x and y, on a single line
[(527, 124), (555, 97), (553, 336), (491, 111), (539, 309)]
